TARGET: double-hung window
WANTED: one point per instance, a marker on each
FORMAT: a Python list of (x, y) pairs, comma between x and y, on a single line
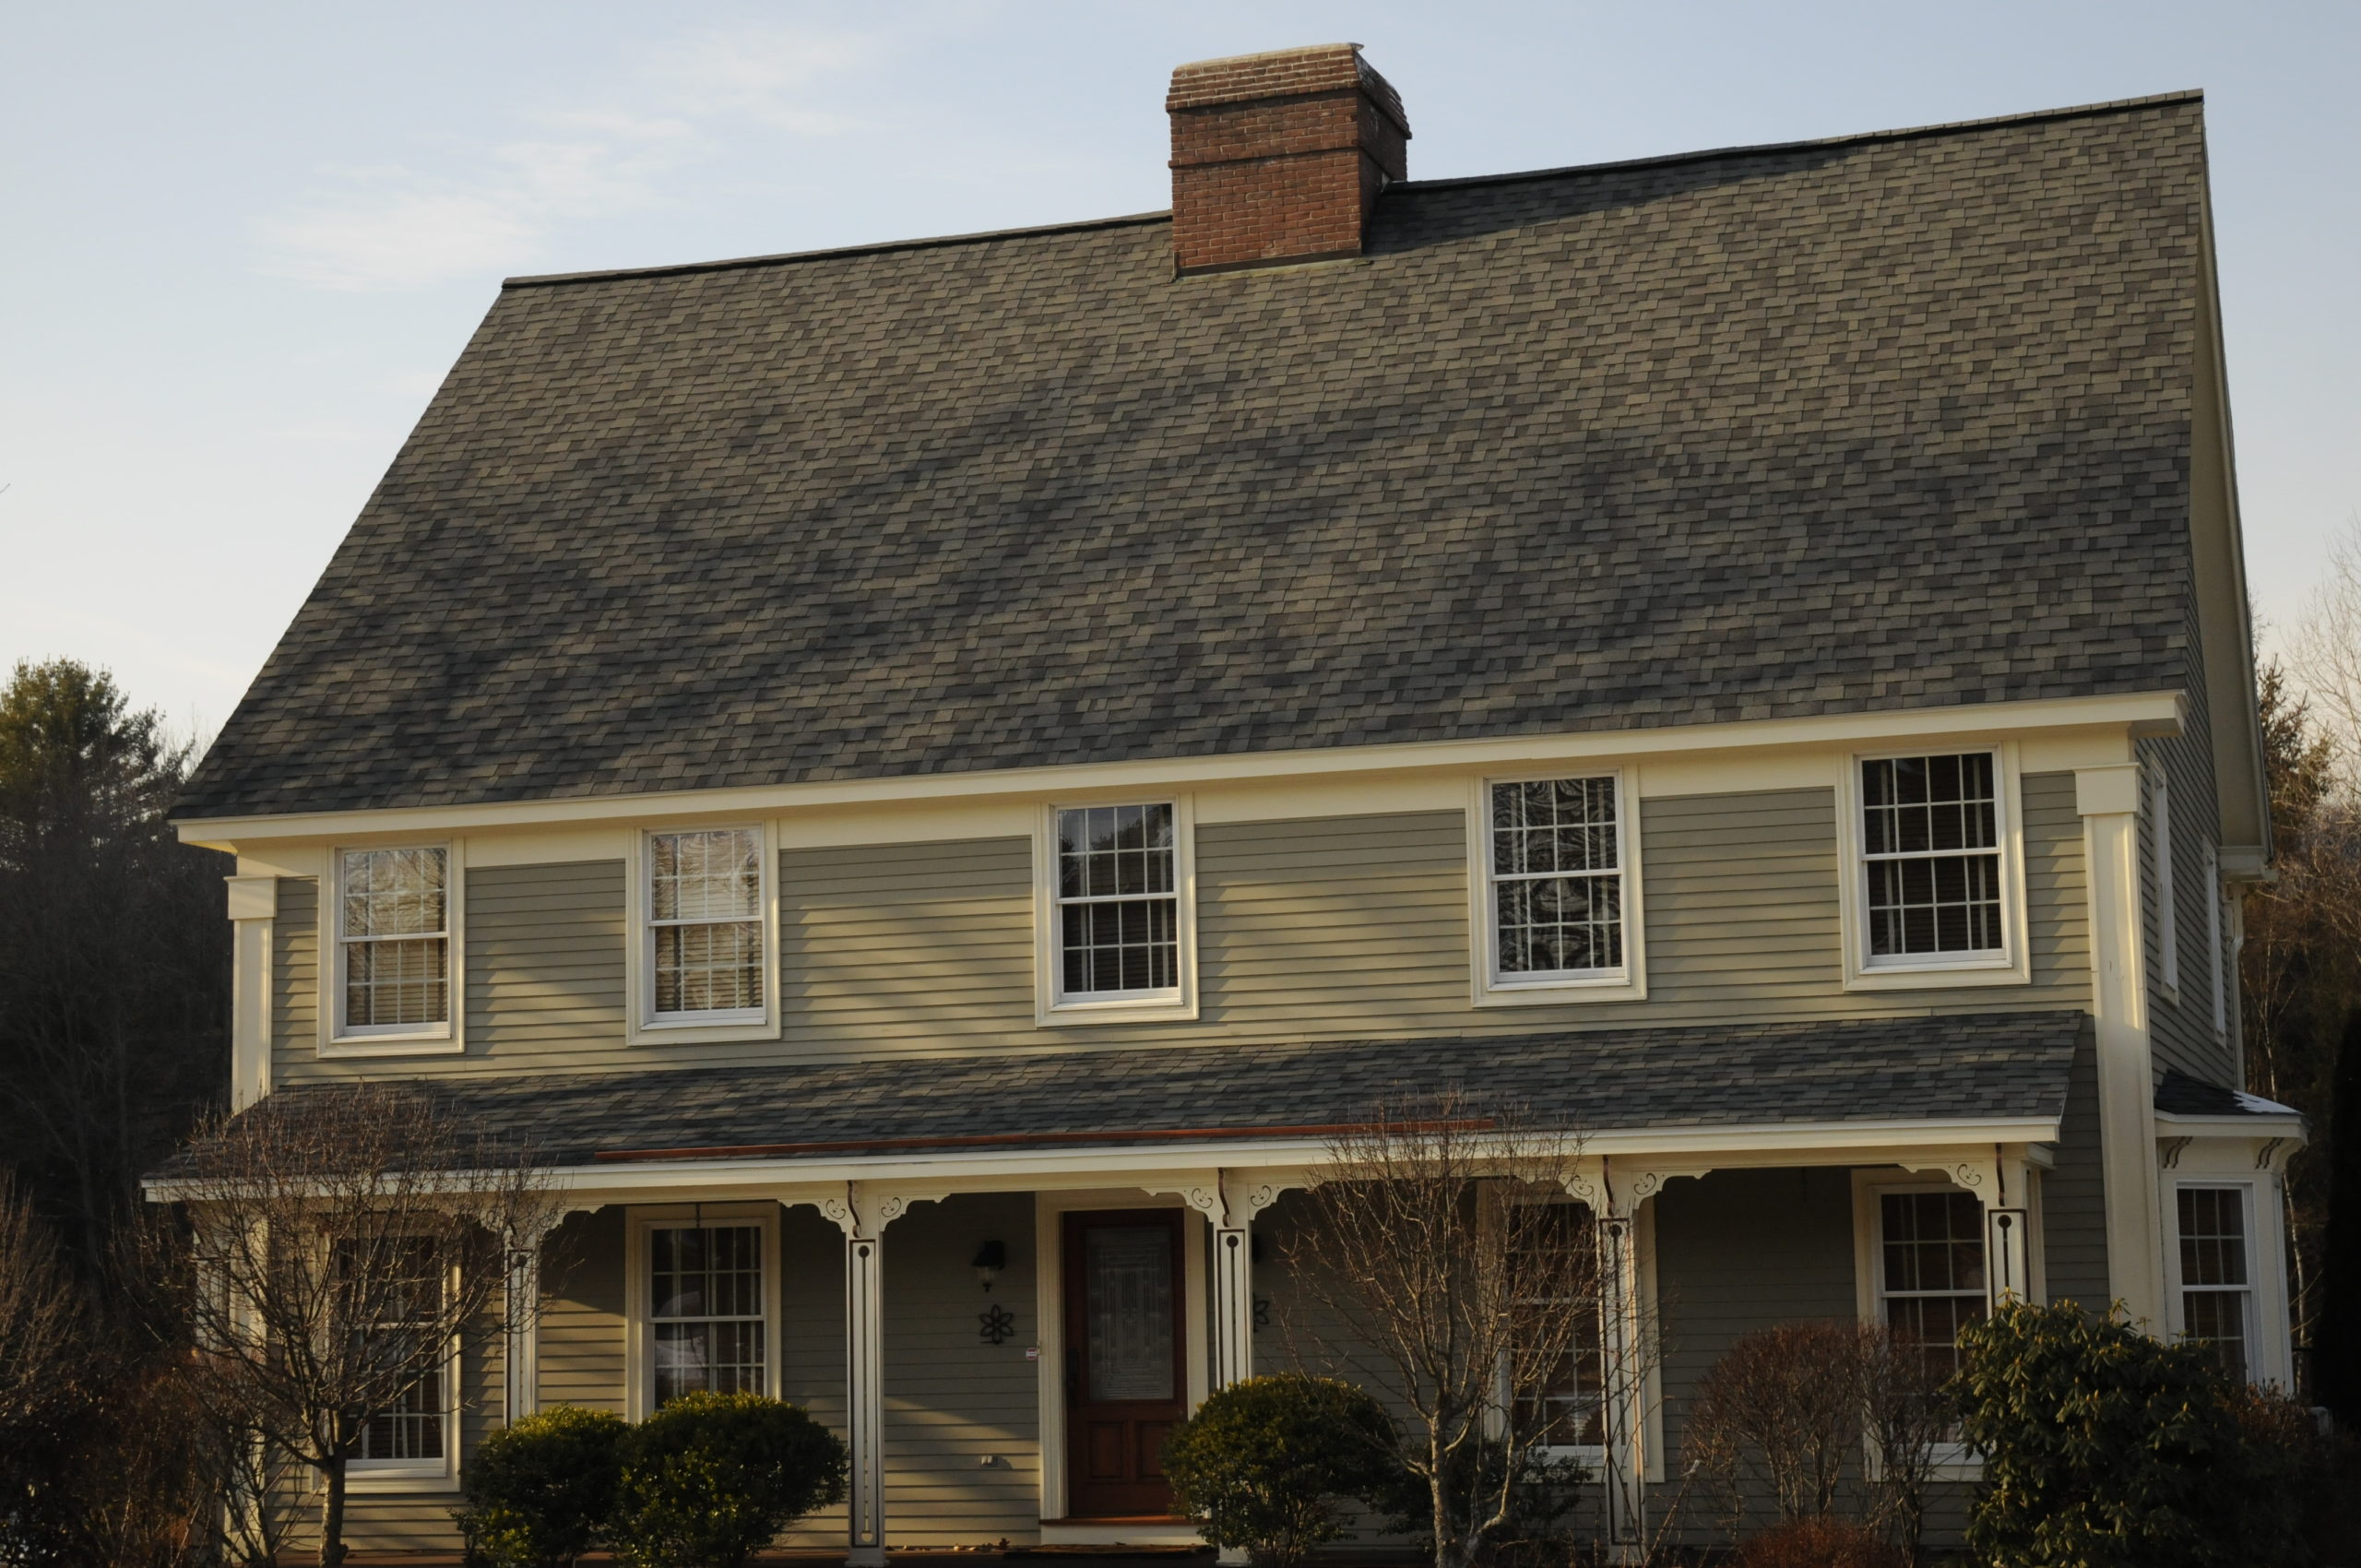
[(396, 1285), (1117, 933), (2217, 1275), (704, 1303), (1562, 1403), (704, 932), (1934, 889), (392, 917), (1556, 890), (1929, 1260)]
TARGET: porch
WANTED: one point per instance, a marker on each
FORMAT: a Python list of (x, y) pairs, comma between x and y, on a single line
[(979, 1314)]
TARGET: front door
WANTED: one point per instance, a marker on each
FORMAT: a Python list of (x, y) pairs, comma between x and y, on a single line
[(1126, 1380)]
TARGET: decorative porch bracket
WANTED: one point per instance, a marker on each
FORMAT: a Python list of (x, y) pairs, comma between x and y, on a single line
[(1614, 1191), (1231, 1199), (2002, 1183), (862, 1213)]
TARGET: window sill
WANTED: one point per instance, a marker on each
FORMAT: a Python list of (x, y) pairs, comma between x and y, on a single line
[(365, 1483), (443, 1042), (702, 1031), (1937, 976), (1626, 987), (1147, 1010)]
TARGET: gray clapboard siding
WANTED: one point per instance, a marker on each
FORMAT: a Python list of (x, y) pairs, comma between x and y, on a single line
[(2073, 1194), (581, 1353), (2181, 1005), (295, 977), (1333, 928)]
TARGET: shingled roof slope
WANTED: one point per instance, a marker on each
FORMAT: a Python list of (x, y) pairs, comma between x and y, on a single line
[(1869, 1070), (1892, 422)]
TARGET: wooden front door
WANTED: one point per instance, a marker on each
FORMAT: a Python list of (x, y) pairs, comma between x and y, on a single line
[(1126, 1373)]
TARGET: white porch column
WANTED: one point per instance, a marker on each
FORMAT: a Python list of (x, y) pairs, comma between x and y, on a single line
[(253, 907), (1243, 1195), (1614, 1194), (862, 1215), (521, 1348), (2108, 800)]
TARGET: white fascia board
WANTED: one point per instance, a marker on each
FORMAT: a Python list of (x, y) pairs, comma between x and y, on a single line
[(1084, 1165), (2145, 713), (2292, 1125), (791, 1179)]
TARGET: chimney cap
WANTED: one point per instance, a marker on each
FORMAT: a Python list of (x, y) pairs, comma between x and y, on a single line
[(1283, 73)]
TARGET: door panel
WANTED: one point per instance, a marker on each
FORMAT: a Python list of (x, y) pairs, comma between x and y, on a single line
[(1126, 1370)]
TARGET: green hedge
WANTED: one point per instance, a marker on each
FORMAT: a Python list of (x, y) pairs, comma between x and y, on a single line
[(711, 1478), (540, 1490)]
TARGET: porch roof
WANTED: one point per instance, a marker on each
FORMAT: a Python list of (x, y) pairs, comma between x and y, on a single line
[(1977, 1068)]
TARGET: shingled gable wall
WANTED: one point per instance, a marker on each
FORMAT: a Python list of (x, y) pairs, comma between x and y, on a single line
[(1279, 158)]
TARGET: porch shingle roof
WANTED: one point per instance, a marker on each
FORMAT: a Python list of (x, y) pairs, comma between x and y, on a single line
[(1989, 1066)]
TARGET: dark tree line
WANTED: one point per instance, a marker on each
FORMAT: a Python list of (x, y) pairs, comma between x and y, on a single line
[(113, 1018), (114, 954)]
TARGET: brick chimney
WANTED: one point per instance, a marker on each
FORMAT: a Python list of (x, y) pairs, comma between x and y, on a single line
[(1278, 158)]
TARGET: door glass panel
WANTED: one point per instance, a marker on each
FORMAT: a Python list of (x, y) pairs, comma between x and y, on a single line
[(1128, 1292)]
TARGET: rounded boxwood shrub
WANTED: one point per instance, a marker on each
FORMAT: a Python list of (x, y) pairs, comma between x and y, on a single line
[(1263, 1463), (711, 1478), (539, 1492)]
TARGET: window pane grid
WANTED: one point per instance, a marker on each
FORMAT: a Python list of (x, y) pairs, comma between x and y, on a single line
[(1556, 867), (705, 1296), (1930, 1273), (1931, 841), (411, 1428), (1119, 906), (2213, 1273), (1569, 1410), (394, 937), (705, 893)]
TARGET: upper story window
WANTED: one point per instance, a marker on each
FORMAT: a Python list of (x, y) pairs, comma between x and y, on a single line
[(1930, 840), (393, 948), (1555, 887), (705, 938), (1116, 923)]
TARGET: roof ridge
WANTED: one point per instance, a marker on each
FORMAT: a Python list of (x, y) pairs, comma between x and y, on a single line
[(879, 247), (1852, 138), (873, 247)]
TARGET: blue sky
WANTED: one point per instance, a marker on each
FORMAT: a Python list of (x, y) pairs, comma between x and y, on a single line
[(244, 240)]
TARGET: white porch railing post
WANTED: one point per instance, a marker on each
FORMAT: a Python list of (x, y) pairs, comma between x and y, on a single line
[(1623, 1414)]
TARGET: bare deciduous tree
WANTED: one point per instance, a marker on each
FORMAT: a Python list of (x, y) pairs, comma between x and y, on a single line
[(334, 1245), (1800, 1414), (1441, 1236)]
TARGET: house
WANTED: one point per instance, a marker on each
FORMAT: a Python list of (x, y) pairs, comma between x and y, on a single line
[(932, 777)]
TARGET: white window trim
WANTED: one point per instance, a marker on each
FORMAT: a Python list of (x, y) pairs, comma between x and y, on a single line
[(639, 1339), (2229, 1163), (2160, 872), (1643, 1251), (1487, 988), (641, 1026), (448, 1037), (2217, 960), (2013, 964), (1051, 1009), (1953, 1461), (421, 1474)]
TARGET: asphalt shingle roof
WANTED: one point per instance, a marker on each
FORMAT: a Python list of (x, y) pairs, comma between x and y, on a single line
[(1875, 1070), (1897, 421), (2177, 1093)]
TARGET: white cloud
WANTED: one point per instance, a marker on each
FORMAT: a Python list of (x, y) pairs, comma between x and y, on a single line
[(394, 228)]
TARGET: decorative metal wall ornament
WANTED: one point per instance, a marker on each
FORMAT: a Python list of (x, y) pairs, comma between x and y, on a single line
[(999, 1324), (1261, 1311)]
